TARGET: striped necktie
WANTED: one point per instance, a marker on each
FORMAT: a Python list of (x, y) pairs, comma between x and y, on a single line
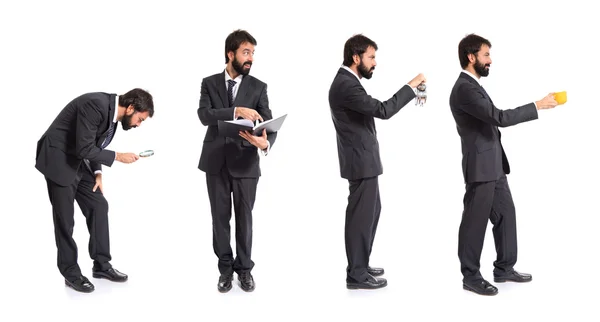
[(231, 83), (111, 131)]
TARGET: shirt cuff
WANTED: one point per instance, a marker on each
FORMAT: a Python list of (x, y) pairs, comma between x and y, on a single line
[(98, 172), (266, 151), (233, 117), (413, 89)]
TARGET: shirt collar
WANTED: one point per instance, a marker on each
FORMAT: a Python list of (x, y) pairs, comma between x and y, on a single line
[(238, 79), (350, 70), (116, 109), (474, 77)]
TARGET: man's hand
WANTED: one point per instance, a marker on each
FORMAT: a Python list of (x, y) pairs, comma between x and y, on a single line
[(247, 113), (417, 80), (127, 157), (258, 141), (98, 183), (546, 102)]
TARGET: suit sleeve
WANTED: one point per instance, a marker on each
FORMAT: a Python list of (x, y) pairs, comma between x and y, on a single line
[(207, 113), (263, 109), (359, 101), (473, 102), (96, 166), (88, 120)]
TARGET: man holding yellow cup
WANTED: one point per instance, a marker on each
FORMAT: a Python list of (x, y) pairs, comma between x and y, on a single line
[(485, 168)]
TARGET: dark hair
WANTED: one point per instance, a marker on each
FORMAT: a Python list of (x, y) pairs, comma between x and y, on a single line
[(471, 44), (356, 45), (235, 39), (140, 99)]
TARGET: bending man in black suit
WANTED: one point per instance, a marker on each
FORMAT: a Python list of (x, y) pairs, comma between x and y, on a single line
[(233, 166), (353, 112), (485, 167), (70, 154)]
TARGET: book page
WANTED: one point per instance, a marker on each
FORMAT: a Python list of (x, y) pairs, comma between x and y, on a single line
[(265, 122), (258, 125), (243, 122)]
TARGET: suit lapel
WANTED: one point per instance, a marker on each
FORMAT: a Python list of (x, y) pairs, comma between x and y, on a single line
[(221, 88), (470, 79), (242, 91), (486, 95), (343, 71), (111, 115)]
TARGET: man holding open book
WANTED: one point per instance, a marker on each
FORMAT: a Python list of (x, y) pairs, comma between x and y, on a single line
[(232, 165)]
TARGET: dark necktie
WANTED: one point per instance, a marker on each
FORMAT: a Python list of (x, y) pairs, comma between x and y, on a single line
[(111, 131), (230, 84)]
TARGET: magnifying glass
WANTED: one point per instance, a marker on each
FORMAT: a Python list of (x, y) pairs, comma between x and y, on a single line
[(147, 153)]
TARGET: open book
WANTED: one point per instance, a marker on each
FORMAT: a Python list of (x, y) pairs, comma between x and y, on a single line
[(233, 127)]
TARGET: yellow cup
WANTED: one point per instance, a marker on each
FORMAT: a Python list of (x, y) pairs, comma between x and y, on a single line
[(560, 97)]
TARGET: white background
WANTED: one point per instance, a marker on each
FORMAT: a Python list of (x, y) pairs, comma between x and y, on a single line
[(161, 234)]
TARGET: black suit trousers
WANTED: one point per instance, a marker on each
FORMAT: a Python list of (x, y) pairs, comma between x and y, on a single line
[(362, 217), (485, 201), (220, 188), (94, 207)]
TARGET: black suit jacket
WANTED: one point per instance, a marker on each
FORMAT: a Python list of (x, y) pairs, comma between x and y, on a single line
[(239, 156), (353, 112), (477, 122), (77, 134)]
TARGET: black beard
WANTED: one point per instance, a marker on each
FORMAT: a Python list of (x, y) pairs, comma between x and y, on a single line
[(239, 67), (364, 72), (126, 122), (481, 70)]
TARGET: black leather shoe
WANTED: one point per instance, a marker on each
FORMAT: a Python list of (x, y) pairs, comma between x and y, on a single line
[(370, 284), (82, 284), (246, 281), (110, 274), (224, 283), (513, 276), (374, 271), (481, 287)]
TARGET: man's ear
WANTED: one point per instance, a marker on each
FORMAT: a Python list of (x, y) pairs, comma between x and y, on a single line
[(356, 59), (472, 58), (130, 110)]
